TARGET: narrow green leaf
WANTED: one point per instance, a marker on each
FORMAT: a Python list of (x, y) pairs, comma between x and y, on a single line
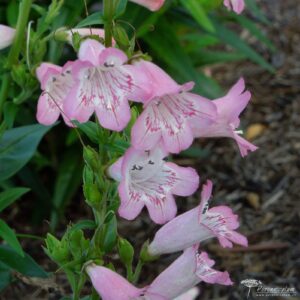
[(25, 265), (197, 11), (93, 19), (167, 48), (17, 147), (10, 196), (256, 11), (9, 236), (67, 183), (257, 32), (231, 38)]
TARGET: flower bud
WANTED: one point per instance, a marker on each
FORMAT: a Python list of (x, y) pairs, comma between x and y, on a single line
[(7, 35), (126, 251)]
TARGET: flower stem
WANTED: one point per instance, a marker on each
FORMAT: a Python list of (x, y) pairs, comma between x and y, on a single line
[(137, 271), (109, 6), (24, 10)]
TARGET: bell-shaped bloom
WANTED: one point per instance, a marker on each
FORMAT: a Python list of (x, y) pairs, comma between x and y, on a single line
[(229, 108), (7, 35), (235, 5), (146, 179), (169, 113), (56, 83), (150, 4), (184, 273), (198, 225), (110, 285), (103, 84)]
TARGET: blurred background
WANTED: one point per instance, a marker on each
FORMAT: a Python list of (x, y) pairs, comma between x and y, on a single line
[(214, 48)]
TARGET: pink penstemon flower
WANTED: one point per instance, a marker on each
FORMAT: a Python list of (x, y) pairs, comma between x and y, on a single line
[(103, 84), (110, 285), (198, 225), (7, 35), (150, 4), (146, 179), (235, 5), (227, 121), (169, 113), (182, 275), (56, 83)]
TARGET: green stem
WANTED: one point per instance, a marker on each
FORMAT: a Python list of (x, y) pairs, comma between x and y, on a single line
[(4, 92), (29, 236), (24, 10), (137, 272), (15, 50), (108, 17)]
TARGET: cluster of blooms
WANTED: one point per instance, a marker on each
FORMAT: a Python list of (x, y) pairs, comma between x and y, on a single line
[(101, 81)]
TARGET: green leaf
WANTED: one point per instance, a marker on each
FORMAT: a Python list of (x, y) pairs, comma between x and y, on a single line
[(10, 196), (93, 19), (167, 47), (5, 277), (257, 32), (110, 237), (231, 38), (121, 8), (67, 183), (256, 11), (197, 11), (25, 265), (83, 225), (10, 237), (17, 147)]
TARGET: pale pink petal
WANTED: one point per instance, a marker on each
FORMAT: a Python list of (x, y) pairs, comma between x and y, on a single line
[(178, 278), (110, 285), (150, 4), (131, 204), (205, 196), (163, 210), (7, 35), (115, 170), (47, 111), (112, 57), (45, 71), (178, 234), (235, 5), (90, 51), (230, 106), (244, 146), (114, 117), (146, 132), (175, 142), (187, 180), (160, 82), (209, 275)]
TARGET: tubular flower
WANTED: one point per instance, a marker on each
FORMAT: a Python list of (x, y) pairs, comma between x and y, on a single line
[(235, 5), (147, 179), (170, 112), (56, 83), (102, 84), (198, 225), (7, 35), (229, 108), (110, 285), (150, 4), (184, 273)]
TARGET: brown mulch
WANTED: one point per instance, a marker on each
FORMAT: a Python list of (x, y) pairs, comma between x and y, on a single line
[(263, 188)]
